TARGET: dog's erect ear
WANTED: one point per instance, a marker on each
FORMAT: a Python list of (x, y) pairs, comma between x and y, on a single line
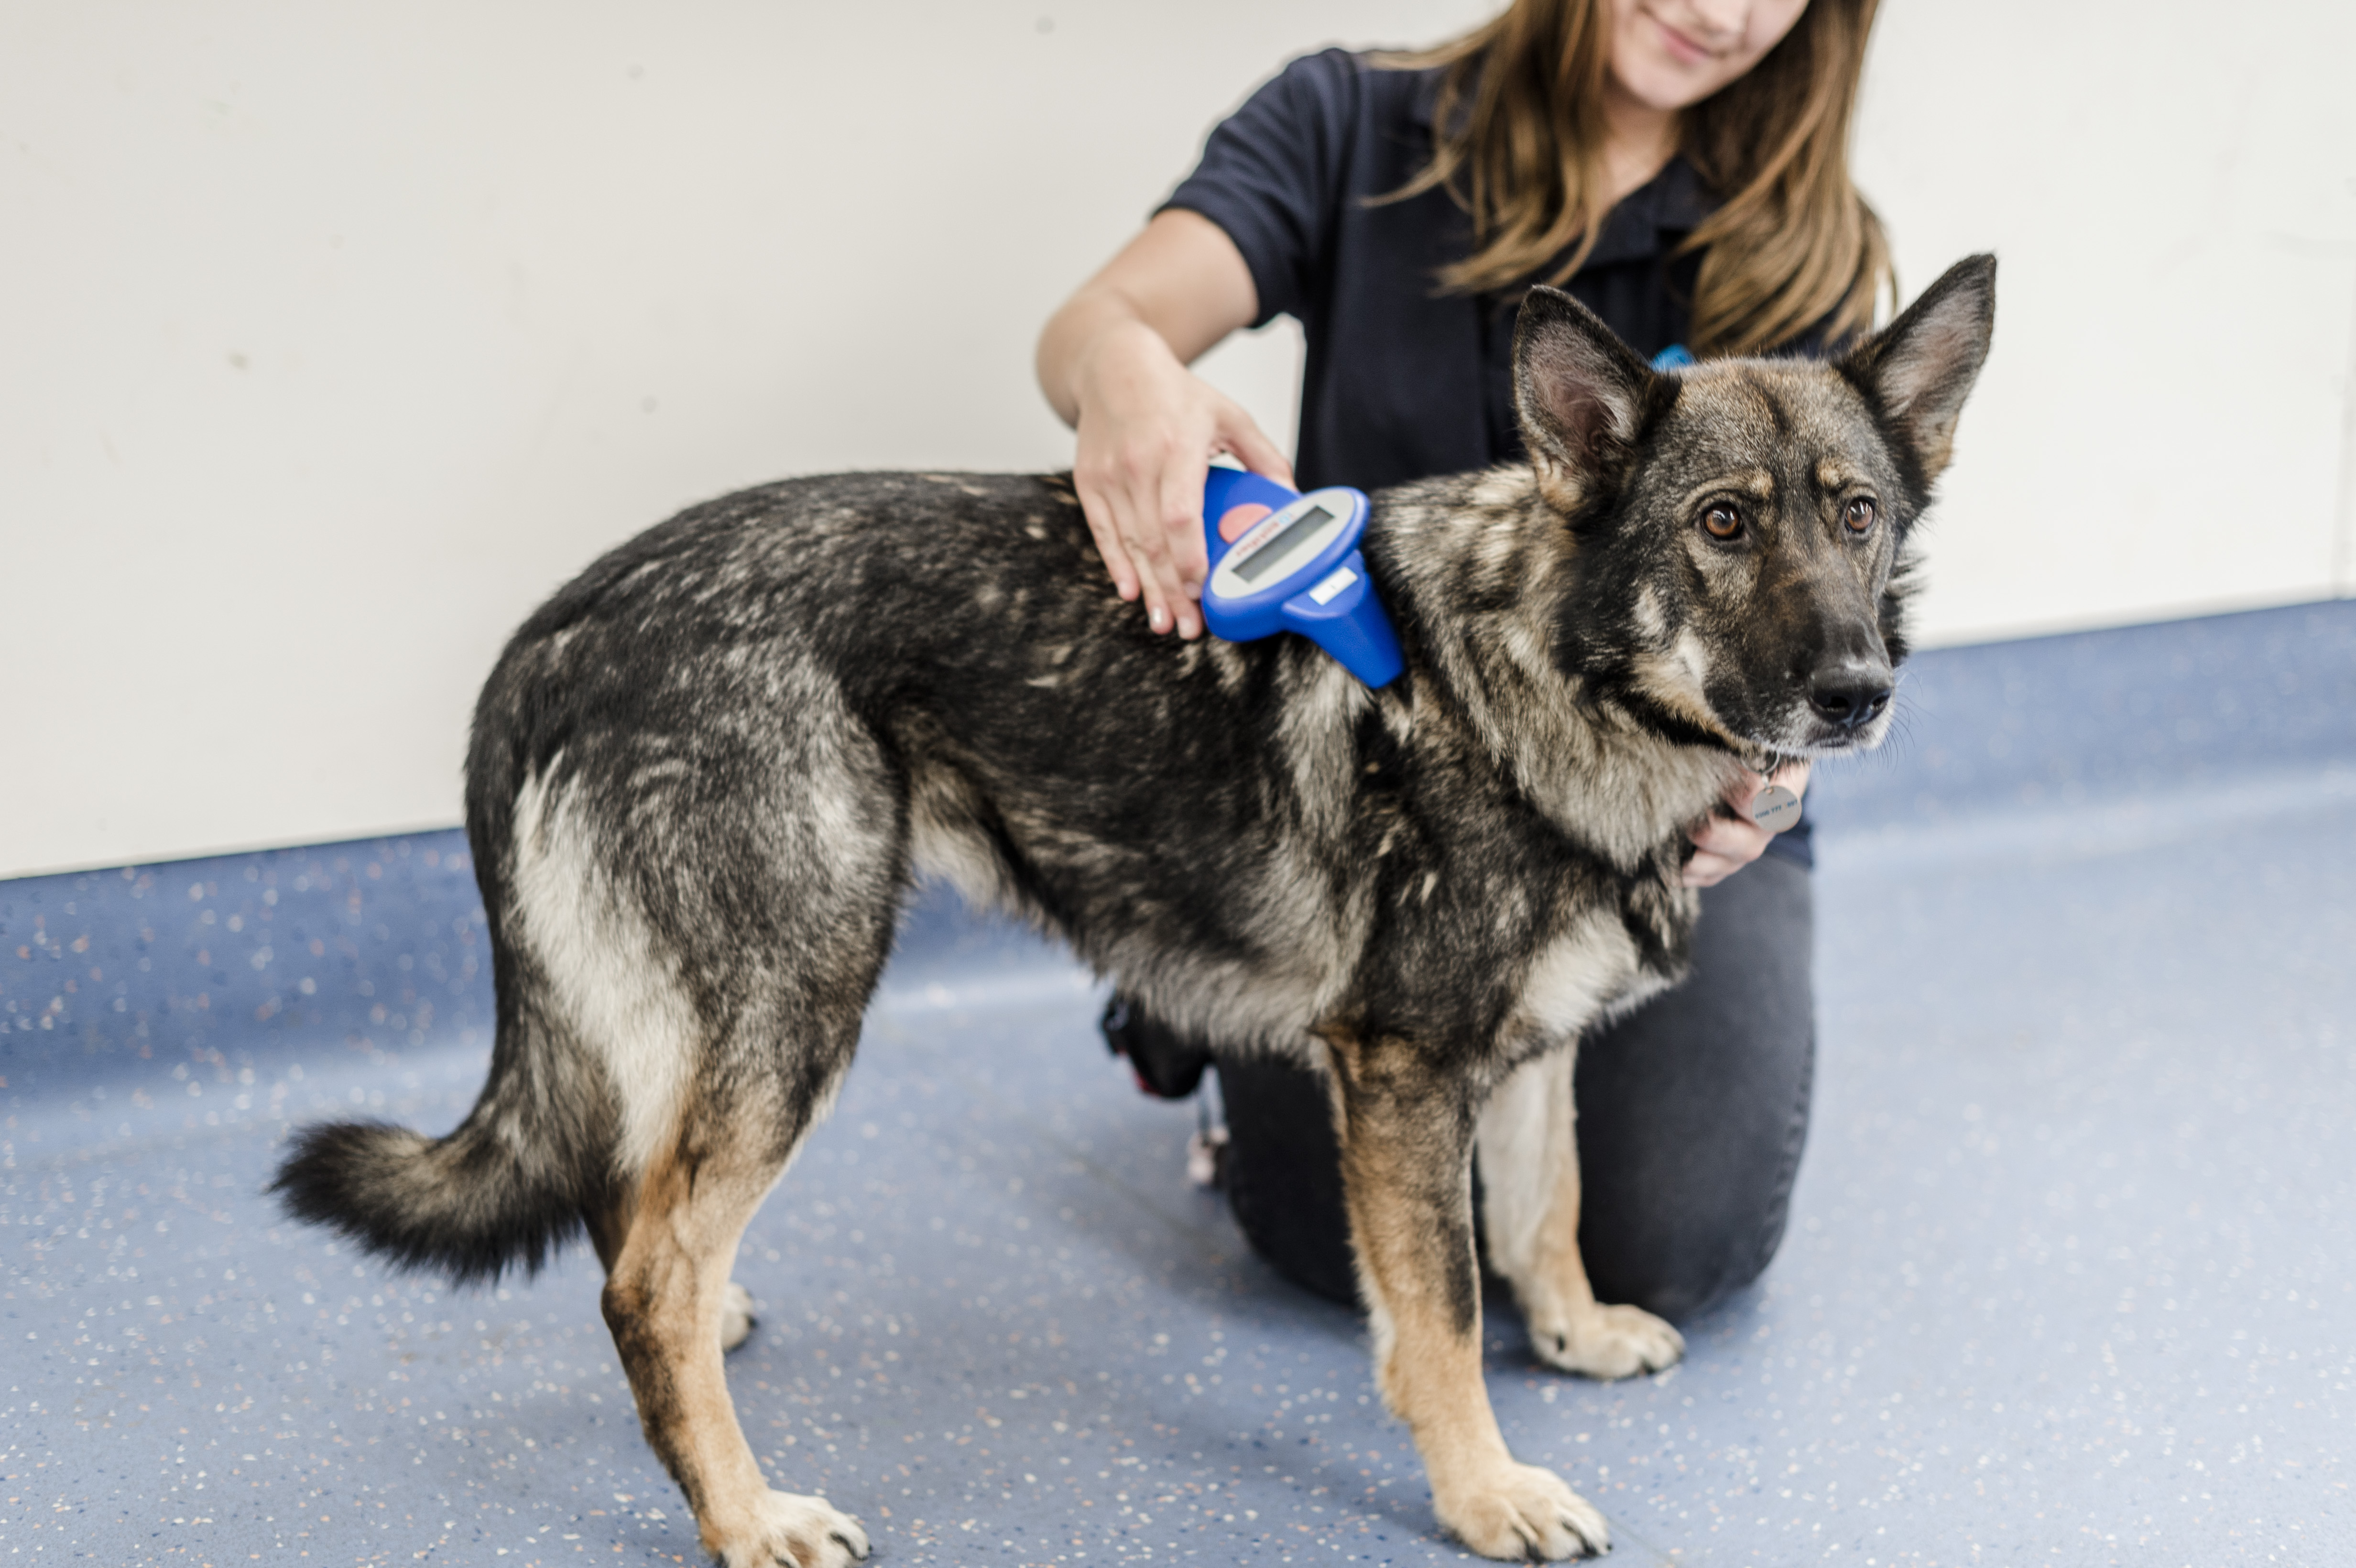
[(1920, 368), (1580, 390)]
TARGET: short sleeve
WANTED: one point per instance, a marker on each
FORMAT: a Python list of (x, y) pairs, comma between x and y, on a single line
[(1272, 175)]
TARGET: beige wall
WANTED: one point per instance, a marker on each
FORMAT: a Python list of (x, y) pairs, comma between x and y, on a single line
[(336, 337)]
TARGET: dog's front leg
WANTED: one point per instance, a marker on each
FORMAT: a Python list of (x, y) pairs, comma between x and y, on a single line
[(1528, 1140), (1405, 1131)]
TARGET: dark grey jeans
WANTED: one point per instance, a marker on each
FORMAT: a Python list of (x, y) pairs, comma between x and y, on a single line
[(1692, 1111)]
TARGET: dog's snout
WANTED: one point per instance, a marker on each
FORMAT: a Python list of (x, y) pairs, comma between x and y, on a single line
[(1850, 692)]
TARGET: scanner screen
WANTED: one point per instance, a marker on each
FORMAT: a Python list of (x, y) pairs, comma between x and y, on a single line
[(1285, 546)]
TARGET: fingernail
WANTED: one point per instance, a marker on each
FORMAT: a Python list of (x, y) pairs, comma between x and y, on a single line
[(1157, 618)]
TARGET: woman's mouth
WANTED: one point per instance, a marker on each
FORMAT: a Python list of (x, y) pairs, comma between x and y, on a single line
[(1682, 48)]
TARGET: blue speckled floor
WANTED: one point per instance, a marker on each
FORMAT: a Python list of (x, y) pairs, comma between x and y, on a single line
[(2071, 1277)]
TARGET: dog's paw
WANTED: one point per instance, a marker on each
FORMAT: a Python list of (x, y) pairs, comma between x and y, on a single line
[(737, 1317), (1608, 1342), (789, 1531), (1521, 1512)]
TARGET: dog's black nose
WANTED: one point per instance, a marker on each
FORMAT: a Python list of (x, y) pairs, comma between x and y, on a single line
[(1850, 692)]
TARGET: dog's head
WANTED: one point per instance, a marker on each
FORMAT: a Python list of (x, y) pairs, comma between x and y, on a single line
[(1741, 527)]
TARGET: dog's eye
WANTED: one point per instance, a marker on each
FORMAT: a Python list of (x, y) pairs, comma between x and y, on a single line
[(1859, 516), (1722, 521)]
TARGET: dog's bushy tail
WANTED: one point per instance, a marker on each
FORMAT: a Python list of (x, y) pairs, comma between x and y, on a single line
[(505, 1189)]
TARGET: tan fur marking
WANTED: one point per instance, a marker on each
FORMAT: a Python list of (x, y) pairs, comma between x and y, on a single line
[(1530, 1196), (1650, 620), (1756, 482), (1678, 679), (1835, 477), (666, 1300), (1406, 1184), (1564, 487), (1503, 488)]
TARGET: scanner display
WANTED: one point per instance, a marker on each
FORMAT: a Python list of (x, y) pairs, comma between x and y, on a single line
[(1285, 546)]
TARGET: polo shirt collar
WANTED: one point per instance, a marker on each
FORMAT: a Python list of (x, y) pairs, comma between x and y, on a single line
[(1654, 217)]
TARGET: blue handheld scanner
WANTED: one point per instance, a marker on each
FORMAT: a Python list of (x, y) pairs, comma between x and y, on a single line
[(1283, 561)]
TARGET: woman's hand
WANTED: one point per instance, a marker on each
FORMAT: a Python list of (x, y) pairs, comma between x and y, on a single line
[(1147, 430), (1724, 844), (1113, 363)]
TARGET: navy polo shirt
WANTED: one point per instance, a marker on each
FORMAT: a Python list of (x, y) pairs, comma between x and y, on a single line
[(1402, 381)]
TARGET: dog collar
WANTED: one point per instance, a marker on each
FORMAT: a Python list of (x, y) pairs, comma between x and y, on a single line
[(1283, 561)]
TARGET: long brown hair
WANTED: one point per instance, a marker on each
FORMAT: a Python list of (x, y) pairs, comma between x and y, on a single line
[(1518, 134)]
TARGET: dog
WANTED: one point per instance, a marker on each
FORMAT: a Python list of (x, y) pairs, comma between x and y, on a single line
[(703, 777)]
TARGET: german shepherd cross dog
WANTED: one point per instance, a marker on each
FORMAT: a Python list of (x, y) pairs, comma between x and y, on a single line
[(704, 776)]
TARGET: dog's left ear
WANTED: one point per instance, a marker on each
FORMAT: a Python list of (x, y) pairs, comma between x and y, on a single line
[(1918, 369), (1579, 391)]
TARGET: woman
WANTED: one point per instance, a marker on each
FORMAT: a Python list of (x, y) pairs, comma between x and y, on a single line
[(1679, 165)]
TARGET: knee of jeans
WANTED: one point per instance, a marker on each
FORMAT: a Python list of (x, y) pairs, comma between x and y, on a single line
[(1685, 1266), (1679, 1298)]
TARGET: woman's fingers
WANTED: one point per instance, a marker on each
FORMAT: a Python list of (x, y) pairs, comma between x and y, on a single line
[(1707, 870), (1120, 495), (1184, 559), (1724, 845), (1149, 536), (1240, 435), (1147, 429), (1148, 554), (1729, 839), (1103, 527), (1144, 502)]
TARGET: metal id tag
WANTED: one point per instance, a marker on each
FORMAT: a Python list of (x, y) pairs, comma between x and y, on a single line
[(1774, 808)]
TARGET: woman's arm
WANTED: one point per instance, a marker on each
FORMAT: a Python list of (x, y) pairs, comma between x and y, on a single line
[(1113, 363)]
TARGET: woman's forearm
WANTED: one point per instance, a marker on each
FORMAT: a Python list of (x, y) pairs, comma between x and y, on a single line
[(1113, 365), (1182, 279), (1098, 335)]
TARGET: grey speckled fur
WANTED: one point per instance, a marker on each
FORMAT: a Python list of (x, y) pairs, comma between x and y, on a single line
[(705, 774)]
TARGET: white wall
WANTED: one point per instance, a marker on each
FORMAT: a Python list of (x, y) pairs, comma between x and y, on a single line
[(336, 335), (2165, 425)]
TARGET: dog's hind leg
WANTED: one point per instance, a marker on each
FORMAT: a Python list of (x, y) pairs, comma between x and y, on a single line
[(610, 1226), (780, 937), (1406, 1130), (1528, 1140), (597, 968), (668, 1297)]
